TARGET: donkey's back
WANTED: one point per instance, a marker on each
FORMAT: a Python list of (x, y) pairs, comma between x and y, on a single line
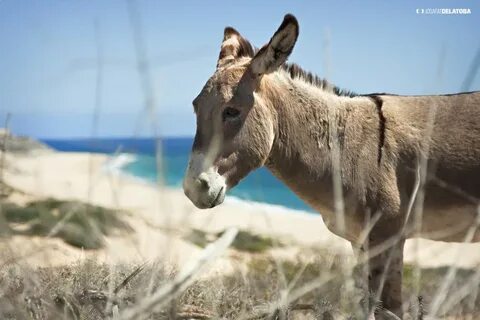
[(444, 127)]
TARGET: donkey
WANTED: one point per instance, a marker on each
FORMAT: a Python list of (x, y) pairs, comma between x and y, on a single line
[(363, 161)]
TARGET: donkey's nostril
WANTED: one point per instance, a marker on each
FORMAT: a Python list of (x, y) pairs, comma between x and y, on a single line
[(204, 184)]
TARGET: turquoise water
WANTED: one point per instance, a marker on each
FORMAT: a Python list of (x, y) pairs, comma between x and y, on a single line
[(259, 186)]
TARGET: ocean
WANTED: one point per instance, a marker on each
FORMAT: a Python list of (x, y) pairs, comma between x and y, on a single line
[(259, 186)]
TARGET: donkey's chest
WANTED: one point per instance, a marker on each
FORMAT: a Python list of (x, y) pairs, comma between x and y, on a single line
[(345, 219)]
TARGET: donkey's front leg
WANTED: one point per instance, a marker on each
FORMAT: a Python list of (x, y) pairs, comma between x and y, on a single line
[(361, 272), (385, 274)]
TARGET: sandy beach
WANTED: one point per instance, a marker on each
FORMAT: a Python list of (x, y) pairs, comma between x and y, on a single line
[(161, 216)]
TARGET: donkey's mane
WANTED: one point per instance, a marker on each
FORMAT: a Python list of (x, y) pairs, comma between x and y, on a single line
[(296, 72)]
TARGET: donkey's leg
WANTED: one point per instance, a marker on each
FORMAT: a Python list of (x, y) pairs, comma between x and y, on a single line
[(385, 276), (361, 273)]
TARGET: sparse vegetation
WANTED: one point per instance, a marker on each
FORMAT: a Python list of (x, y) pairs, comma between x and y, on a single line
[(89, 290), (78, 224), (20, 144), (83, 291), (245, 241)]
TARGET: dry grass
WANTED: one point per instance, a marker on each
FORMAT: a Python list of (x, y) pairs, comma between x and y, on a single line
[(82, 291), (89, 290)]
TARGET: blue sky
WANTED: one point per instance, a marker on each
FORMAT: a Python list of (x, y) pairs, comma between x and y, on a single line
[(48, 50)]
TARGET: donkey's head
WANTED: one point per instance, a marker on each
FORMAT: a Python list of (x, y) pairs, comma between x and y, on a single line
[(235, 124)]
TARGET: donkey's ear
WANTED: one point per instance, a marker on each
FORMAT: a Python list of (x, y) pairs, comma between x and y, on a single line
[(233, 47), (276, 52)]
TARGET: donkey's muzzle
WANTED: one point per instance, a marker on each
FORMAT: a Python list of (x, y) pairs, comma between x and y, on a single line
[(205, 191)]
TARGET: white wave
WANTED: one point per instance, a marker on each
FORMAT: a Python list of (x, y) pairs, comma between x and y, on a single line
[(115, 163)]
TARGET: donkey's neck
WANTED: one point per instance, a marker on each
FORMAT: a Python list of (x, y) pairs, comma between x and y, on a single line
[(310, 124)]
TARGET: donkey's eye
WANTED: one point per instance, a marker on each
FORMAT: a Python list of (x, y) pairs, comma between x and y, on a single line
[(230, 114)]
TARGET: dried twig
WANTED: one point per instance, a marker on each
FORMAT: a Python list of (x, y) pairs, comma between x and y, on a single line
[(2, 158), (130, 277)]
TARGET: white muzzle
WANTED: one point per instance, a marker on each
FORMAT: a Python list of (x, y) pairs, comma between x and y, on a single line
[(202, 183)]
